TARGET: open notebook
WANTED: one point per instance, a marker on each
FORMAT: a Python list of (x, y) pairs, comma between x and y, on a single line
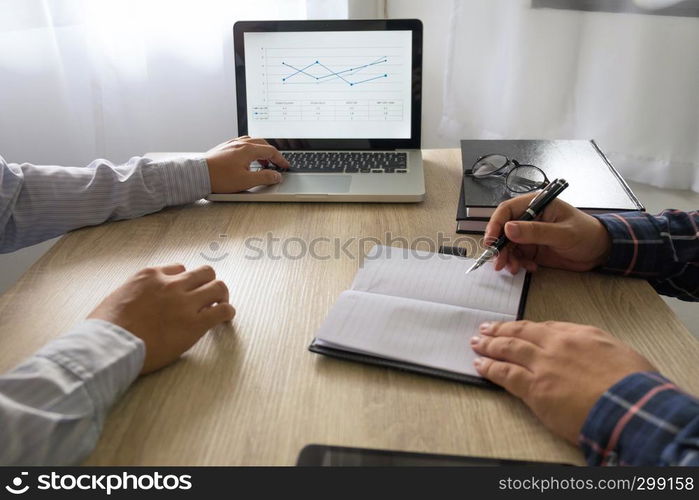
[(417, 310)]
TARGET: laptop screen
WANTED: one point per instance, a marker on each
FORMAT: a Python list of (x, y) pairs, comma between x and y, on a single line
[(328, 84), (305, 81)]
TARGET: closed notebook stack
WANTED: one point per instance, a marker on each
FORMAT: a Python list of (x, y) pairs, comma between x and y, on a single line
[(595, 185)]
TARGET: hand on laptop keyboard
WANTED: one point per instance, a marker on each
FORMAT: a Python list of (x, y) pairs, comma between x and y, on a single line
[(229, 165)]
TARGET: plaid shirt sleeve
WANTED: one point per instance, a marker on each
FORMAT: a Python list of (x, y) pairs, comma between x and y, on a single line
[(645, 419), (663, 249), (642, 420)]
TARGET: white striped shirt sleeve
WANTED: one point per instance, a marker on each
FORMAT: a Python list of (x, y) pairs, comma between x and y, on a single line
[(41, 202), (53, 405)]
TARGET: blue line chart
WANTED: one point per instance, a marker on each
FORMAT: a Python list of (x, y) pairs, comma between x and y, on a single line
[(333, 75)]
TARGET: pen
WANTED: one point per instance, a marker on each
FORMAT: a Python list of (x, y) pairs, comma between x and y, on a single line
[(536, 206)]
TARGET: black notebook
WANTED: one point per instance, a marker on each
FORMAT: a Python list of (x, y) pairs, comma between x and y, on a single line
[(417, 310), (595, 185)]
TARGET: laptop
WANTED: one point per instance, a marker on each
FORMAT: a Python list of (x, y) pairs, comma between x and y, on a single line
[(341, 100)]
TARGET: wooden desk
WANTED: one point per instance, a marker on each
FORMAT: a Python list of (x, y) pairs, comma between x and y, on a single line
[(252, 393)]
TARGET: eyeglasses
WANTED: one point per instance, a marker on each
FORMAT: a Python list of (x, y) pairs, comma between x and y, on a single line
[(520, 178)]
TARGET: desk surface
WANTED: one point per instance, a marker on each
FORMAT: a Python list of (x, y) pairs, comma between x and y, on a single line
[(251, 393)]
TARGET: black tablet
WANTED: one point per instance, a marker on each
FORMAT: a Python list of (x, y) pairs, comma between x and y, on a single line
[(315, 455)]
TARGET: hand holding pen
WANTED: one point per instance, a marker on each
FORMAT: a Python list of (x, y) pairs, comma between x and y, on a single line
[(536, 206), (562, 237)]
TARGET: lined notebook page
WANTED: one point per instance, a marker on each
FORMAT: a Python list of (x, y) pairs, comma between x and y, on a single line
[(439, 278), (421, 309), (424, 333)]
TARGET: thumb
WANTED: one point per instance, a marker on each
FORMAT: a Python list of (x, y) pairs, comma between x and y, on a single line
[(536, 233), (265, 177)]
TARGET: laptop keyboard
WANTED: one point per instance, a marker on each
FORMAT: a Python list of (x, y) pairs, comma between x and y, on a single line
[(348, 162)]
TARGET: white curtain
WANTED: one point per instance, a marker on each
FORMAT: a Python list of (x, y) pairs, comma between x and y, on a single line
[(629, 81), (81, 79)]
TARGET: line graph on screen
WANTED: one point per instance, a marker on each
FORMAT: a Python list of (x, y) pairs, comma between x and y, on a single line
[(330, 84), (333, 72), (328, 75)]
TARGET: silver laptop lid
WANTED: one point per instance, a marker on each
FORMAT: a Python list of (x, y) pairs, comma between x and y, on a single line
[(345, 84)]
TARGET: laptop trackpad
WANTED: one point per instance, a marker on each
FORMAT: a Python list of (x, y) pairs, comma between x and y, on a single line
[(315, 183)]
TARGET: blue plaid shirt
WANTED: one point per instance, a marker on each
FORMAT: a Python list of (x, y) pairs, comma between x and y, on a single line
[(645, 419)]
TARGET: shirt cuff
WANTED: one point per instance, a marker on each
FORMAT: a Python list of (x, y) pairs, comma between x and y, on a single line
[(636, 421), (631, 252), (185, 179), (105, 357)]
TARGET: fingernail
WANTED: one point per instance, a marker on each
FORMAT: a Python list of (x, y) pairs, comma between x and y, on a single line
[(513, 229), (475, 340), (478, 362), (277, 177), (486, 327)]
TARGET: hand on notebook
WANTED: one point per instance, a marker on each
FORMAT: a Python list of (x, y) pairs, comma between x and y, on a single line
[(564, 237), (168, 308), (229, 165), (558, 369)]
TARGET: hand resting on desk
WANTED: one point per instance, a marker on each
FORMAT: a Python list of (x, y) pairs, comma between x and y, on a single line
[(168, 308), (558, 369)]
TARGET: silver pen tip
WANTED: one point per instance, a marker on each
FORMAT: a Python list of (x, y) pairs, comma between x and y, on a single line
[(474, 266), (484, 257)]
